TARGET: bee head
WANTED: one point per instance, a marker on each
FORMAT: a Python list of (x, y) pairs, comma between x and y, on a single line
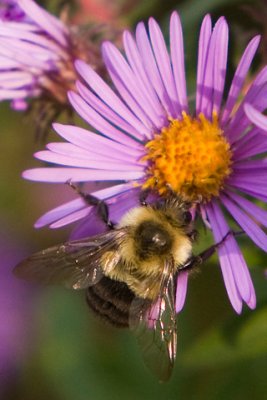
[(152, 238)]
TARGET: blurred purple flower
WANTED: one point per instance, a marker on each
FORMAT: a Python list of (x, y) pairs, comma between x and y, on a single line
[(149, 140), (9, 10), (15, 311), (37, 53)]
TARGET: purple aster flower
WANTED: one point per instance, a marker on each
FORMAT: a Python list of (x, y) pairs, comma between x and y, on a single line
[(149, 139), (9, 10), (37, 53)]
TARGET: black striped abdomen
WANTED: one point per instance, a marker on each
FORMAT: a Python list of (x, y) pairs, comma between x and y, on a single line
[(111, 301)]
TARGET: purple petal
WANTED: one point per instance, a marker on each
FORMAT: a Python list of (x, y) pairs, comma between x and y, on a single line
[(164, 65), (13, 76), (153, 313), (53, 26), (103, 109), (34, 55), (122, 203), (108, 96), (255, 211), (220, 63), (21, 57), (203, 46), (246, 182), (6, 63), (68, 208), (121, 80), (254, 166), (98, 144), (151, 68), (19, 105), (240, 270), (257, 97), (252, 301), (17, 84), (252, 230), (236, 260), (239, 77), (59, 212), (98, 122), (135, 62), (118, 206), (181, 290), (211, 87), (89, 162), (255, 192), (17, 94), (22, 26), (253, 143), (128, 86), (177, 58), (71, 150), (256, 117), (220, 229), (69, 219), (55, 175), (15, 31)]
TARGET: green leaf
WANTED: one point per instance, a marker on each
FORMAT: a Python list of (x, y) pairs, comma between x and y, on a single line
[(215, 348)]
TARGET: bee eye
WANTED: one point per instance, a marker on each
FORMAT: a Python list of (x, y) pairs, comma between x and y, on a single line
[(187, 217)]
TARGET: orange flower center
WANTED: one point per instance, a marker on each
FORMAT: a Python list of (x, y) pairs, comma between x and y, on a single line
[(191, 156)]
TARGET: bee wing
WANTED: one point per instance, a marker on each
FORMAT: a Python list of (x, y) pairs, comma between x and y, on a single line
[(75, 264), (155, 327)]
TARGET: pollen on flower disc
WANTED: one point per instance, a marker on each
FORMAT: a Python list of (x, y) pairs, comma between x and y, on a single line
[(191, 156)]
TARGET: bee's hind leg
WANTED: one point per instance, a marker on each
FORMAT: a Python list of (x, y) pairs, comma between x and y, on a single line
[(101, 206), (199, 259)]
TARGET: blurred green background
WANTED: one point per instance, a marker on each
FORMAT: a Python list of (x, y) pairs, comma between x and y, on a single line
[(59, 351)]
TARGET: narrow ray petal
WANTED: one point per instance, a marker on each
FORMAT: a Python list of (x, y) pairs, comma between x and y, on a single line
[(151, 68), (74, 205), (181, 290), (252, 230), (253, 143), (98, 122), (177, 58), (89, 162), (220, 229), (48, 22), (203, 47), (99, 144), (239, 77), (121, 69), (69, 219), (79, 175), (104, 110), (252, 209), (256, 117), (135, 61), (164, 65), (107, 95)]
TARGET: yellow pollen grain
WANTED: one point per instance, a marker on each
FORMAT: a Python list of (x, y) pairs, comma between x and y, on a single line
[(191, 156)]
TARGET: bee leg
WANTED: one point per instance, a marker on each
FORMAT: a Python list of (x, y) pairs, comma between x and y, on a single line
[(101, 206), (206, 254), (143, 196), (193, 235)]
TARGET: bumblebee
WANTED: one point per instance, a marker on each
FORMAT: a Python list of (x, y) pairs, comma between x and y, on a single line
[(129, 272)]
